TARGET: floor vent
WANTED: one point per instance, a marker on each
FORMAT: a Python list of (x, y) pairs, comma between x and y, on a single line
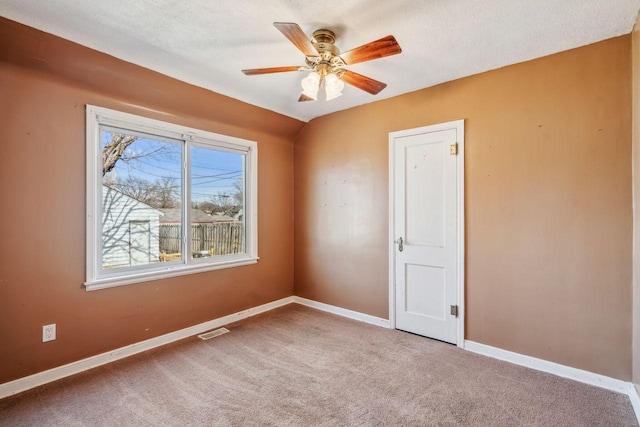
[(213, 334)]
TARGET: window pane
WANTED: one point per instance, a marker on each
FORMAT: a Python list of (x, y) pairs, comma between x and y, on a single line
[(141, 192), (217, 202)]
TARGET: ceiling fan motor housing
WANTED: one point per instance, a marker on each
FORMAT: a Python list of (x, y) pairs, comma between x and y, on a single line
[(323, 41), (328, 60)]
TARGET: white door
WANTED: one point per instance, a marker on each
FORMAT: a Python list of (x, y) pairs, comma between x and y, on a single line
[(426, 226), (139, 242)]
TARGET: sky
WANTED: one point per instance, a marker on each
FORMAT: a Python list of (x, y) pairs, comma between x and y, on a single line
[(212, 171)]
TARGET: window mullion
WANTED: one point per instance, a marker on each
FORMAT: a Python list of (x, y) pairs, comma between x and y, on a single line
[(186, 201)]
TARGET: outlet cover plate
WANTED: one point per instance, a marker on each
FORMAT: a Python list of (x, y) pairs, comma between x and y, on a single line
[(49, 332)]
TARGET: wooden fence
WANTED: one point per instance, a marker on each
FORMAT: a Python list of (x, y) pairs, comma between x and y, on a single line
[(218, 238)]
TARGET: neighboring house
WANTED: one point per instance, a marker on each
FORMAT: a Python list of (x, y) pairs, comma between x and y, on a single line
[(130, 230), (220, 217), (174, 215)]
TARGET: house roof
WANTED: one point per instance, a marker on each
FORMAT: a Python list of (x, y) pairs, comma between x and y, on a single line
[(208, 44), (133, 200), (197, 216)]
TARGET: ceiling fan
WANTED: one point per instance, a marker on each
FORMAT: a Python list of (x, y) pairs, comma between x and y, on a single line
[(327, 66)]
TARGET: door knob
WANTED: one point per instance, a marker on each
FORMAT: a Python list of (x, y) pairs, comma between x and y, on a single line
[(400, 244)]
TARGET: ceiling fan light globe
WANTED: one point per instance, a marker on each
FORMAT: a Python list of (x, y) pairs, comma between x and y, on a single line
[(311, 83), (331, 79), (333, 86)]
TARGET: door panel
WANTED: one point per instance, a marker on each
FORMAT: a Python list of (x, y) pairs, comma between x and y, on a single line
[(425, 291), (425, 217), (425, 208)]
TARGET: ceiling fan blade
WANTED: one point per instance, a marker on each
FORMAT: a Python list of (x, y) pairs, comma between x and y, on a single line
[(304, 98), (363, 82), (296, 36), (255, 71), (386, 46)]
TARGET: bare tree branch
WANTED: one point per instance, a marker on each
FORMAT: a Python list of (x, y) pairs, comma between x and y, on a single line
[(113, 151), (159, 194), (229, 204)]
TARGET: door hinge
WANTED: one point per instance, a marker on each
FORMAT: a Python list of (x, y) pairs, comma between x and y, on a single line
[(454, 310), (453, 149)]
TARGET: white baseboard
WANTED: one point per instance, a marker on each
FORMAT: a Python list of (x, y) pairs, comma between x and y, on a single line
[(549, 367), (635, 400), (378, 321), (26, 383), (580, 375)]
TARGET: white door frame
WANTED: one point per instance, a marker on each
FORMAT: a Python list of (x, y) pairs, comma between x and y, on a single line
[(458, 125)]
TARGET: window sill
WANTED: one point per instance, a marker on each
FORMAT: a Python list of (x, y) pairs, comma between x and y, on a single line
[(181, 270)]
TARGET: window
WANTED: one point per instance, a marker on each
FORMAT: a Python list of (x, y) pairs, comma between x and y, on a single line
[(165, 200)]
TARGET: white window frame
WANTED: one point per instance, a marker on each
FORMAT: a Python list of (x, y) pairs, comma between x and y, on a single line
[(99, 278)]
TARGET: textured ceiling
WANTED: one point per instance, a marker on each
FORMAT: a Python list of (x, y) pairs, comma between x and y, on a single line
[(207, 42)]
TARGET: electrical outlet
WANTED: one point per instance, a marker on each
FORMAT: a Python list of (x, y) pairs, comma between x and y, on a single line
[(49, 332)]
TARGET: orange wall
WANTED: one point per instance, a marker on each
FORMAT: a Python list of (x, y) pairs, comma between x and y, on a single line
[(45, 83), (548, 204)]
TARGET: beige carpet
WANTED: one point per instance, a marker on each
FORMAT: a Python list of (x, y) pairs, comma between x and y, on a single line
[(296, 366)]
